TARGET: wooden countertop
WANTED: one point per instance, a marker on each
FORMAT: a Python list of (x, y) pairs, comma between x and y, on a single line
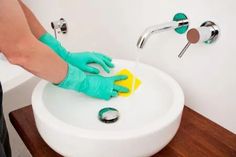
[(196, 137)]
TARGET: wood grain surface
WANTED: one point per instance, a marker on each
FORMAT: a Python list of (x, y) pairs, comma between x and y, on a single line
[(196, 137)]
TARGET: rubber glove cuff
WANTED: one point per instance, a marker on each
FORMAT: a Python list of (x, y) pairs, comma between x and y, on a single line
[(55, 45), (73, 79)]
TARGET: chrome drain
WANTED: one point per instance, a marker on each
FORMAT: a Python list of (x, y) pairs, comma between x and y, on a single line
[(108, 115)]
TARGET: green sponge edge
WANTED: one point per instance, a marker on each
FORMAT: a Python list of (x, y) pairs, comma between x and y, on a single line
[(177, 17)]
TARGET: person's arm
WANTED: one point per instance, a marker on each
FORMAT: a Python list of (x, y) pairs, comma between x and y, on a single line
[(21, 48), (41, 61), (79, 60), (35, 26)]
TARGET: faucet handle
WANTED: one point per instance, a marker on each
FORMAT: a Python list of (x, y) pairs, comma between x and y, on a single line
[(207, 33), (59, 26), (184, 50), (195, 36)]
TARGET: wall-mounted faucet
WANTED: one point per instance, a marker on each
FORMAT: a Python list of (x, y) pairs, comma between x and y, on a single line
[(59, 26), (208, 33), (180, 23)]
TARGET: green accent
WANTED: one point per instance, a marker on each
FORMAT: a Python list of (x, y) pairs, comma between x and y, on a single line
[(102, 87), (82, 59), (177, 17), (79, 60), (54, 44), (74, 78), (104, 110), (92, 85)]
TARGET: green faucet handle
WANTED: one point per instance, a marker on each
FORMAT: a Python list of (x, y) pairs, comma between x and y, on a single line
[(181, 17)]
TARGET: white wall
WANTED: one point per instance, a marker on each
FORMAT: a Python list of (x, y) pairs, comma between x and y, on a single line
[(206, 73)]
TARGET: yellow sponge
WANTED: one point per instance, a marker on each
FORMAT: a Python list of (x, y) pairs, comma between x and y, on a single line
[(128, 82)]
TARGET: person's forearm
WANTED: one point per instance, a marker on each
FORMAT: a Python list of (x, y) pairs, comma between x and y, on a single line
[(21, 47), (38, 59), (57, 66), (42, 62), (35, 26)]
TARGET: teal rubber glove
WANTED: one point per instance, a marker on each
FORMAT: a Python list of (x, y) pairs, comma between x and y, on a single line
[(93, 85), (79, 60)]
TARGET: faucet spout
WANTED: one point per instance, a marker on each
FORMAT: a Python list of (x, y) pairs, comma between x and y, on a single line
[(160, 28), (155, 29)]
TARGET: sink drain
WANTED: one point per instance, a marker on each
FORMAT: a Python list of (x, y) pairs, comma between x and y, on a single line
[(108, 115)]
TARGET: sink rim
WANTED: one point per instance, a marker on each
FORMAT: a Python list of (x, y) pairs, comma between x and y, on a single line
[(172, 114)]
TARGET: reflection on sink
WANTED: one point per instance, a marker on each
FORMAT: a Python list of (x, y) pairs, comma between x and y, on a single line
[(68, 121)]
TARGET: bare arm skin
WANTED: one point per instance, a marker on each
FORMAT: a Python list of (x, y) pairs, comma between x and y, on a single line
[(35, 26), (22, 48)]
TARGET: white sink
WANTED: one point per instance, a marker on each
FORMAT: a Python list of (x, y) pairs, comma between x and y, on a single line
[(68, 121)]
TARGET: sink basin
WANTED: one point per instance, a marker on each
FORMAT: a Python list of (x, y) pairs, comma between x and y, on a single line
[(68, 121)]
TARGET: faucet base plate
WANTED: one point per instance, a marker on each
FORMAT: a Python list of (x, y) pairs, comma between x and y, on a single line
[(179, 17)]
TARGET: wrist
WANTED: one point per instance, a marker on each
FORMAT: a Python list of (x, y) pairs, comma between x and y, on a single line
[(54, 44), (73, 79)]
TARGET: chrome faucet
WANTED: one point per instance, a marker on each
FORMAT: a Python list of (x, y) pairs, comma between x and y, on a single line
[(180, 23), (59, 26), (207, 33)]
